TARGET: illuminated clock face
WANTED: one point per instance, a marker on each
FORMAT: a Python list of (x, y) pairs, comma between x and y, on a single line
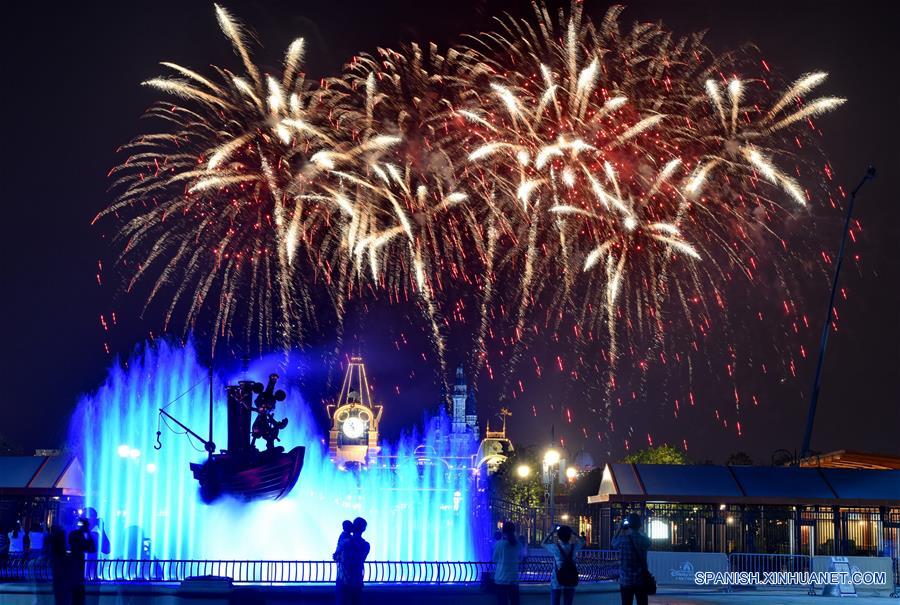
[(354, 427)]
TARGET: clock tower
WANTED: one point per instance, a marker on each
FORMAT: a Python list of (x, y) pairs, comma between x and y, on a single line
[(353, 438)]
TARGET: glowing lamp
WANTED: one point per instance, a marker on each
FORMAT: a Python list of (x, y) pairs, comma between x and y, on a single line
[(571, 473), (551, 457), (523, 470)]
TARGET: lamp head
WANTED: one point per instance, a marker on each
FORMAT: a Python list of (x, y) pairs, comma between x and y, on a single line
[(551, 457)]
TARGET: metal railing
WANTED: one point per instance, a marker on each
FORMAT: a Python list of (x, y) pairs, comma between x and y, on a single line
[(896, 592), (31, 569), (766, 564), (593, 566), (762, 563)]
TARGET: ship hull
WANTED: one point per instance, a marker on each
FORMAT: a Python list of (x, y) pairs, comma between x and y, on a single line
[(250, 475)]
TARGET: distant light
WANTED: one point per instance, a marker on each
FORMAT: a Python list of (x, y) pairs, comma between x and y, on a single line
[(134, 453), (564, 516), (151, 468), (123, 451), (551, 457), (658, 530), (523, 470), (571, 473)]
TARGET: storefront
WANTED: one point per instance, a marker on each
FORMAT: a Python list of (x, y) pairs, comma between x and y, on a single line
[(37, 492), (775, 510)]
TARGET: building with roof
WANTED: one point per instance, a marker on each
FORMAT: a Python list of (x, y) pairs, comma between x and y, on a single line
[(39, 491), (583, 462), (850, 459), (495, 448), (750, 509)]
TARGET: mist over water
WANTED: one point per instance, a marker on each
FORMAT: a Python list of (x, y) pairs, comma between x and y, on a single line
[(149, 503)]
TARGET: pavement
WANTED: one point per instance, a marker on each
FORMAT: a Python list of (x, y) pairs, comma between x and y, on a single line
[(686, 597), (597, 594)]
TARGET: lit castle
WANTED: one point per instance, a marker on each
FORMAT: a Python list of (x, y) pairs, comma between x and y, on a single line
[(464, 443), (464, 432), (353, 438)]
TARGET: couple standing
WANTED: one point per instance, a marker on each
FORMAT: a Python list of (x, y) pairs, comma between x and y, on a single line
[(350, 557), (510, 550)]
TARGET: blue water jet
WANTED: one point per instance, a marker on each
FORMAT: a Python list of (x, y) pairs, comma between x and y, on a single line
[(149, 503)]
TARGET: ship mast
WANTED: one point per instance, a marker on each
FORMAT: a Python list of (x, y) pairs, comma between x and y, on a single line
[(210, 446)]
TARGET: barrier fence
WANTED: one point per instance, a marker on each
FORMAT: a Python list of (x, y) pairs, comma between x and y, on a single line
[(761, 563), (766, 564), (896, 592), (593, 566)]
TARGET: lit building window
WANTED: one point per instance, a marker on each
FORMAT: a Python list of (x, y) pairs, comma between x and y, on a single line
[(658, 530)]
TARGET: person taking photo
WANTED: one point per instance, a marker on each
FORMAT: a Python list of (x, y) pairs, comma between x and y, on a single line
[(561, 545)]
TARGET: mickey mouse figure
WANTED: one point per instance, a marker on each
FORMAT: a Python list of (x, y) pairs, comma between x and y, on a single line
[(265, 426)]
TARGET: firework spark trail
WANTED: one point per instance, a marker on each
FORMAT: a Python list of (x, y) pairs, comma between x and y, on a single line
[(486, 301), (598, 175), (208, 201), (543, 140), (400, 184), (740, 140)]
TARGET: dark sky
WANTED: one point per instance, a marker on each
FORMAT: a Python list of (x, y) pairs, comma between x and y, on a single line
[(72, 94)]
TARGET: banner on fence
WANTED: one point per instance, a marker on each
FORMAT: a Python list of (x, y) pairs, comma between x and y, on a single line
[(680, 568), (870, 567)]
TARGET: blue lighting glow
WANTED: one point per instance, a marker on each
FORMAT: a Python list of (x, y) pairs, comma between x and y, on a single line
[(148, 499)]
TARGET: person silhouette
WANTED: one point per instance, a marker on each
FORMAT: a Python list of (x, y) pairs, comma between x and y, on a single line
[(633, 544), (5, 544), (60, 567), (81, 546), (351, 557), (561, 546), (346, 534), (508, 554)]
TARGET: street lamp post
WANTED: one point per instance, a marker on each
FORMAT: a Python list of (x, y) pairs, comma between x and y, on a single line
[(551, 468), (523, 472)]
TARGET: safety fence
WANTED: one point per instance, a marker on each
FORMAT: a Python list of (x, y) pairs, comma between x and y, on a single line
[(896, 592), (762, 563), (789, 566), (593, 566), (792, 566)]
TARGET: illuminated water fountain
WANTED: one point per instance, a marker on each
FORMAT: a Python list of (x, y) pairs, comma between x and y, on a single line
[(149, 503)]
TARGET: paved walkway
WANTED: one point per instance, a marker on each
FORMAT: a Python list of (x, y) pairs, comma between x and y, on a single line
[(112, 594), (755, 598)]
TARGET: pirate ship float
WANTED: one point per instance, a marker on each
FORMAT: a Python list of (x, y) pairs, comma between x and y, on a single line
[(242, 471)]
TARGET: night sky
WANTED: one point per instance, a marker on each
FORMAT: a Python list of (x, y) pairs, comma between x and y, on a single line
[(72, 95)]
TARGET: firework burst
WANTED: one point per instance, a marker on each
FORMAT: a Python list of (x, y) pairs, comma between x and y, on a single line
[(555, 128), (551, 171), (207, 218), (606, 169)]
